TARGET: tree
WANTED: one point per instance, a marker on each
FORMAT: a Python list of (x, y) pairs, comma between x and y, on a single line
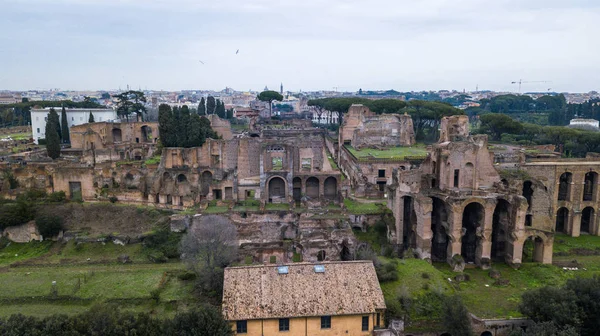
[(456, 319), (270, 96), (166, 126), (48, 225), (183, 128), (209, 246), (91, 118), (206, 321), (210, 105), (220, 109), (202, 107), (52, 135), (552, 304), (230, 113), (66, 138), (496, 124), (545, 329), (131, 102)]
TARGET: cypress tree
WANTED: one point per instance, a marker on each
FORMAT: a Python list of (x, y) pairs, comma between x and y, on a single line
[(165, 126), (52, 136), (220, 109), (210, 105), (91, 118), (230, 113), (57, 126), (64, 126), (202, 107), (183, 129)]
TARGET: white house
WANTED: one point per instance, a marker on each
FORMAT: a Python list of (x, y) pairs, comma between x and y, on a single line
[(75, 116)]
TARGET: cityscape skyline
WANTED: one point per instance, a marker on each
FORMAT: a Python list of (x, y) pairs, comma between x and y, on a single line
[(307, 45)]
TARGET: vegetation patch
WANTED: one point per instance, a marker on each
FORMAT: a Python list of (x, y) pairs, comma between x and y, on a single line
[(417, 150), (359, 208)]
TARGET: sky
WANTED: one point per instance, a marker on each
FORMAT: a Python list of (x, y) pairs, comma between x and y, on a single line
[(307, 45)]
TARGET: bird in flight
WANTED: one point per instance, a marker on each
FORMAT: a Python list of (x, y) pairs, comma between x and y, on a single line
[(237, 52), (201, 62)]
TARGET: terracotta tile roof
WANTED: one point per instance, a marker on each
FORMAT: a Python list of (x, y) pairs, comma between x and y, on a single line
[(260, 292)]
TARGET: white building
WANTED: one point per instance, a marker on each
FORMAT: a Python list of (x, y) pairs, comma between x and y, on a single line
[(585, 123), (75, 116), (326, 118)]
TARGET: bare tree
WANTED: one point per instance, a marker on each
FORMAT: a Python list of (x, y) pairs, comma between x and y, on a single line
[(209, 246)]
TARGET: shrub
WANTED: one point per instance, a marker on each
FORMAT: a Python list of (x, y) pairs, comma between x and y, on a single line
[(48, 225), (20, 212), (186, 276), (387, 272), (113, 199), (57, 197)]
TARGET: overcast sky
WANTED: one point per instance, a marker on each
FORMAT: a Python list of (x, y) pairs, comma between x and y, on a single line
[(306, 44)]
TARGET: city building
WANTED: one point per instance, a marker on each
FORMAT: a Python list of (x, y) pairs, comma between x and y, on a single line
[(329, 298), (75, 116)]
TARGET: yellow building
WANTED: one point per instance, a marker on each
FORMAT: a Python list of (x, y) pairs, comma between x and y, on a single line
[(328, 298)]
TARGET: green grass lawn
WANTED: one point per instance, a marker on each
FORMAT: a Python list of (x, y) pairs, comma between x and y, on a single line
[(277, 207), (418, 150), (216, 209), (17, 252), (359, 208), (17, 136)]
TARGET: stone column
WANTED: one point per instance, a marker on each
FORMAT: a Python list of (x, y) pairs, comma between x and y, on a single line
[(455, 213), (484, 246), (574, 223), (399, 220), (423, 209)]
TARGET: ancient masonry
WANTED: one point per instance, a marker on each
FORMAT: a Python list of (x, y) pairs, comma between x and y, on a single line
[(460, 203)]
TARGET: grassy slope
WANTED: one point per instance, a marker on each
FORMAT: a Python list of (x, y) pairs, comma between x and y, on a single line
[(27, 288), (391, 152)]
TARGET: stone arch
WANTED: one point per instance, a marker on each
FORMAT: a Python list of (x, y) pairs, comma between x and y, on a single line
[(276, 188), (528, 193), (500, 228), (486, 333), (146, 133), (205, 182), (587, 220), (330, 187), (562, 220), (312, 187), (539, 241), (589, 186), (564, 186), (297, 188), (439, 225), (117, 135), (181, 178), (472, 219), (409, 217), (321, 255)]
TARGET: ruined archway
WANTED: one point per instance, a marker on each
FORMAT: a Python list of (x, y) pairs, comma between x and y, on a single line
[(534, 246), (312, 187), (500, 229), (297, 191), (528, 193), (321, 255), (589, 186), (117, 135), (439, 223), (472, 219), (587, 219), (562, 220), (330, 187), (181, 178), (276, 189), (345, 254), (409, 217), (146, 133), (205, 182), (564, 186), (468, 176)]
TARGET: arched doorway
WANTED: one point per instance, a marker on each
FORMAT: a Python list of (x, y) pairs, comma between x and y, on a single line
[(533, 249), (468, 177), (472, 219), (181, 178), (146, 133), (500, 225), (587, 218), (564, 186), (312, 187), (116, 135), (562, 220), (345, 254), (589, 186), (409, 217), (439, 239), (205, 182), (297, 191), (330, 187), (528, 192), (486, 333), (321, 255), (276, 189)]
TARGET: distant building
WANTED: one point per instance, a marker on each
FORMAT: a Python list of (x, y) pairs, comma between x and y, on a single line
[(330, 298), (75, 116), (585, 123), (9, 99)]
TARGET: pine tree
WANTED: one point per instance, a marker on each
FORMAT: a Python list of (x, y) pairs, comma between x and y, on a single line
[(64, 126), (202, 107), (210, 105), (52, 136), (91, 118)]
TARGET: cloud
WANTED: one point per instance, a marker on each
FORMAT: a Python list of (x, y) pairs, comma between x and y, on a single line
[(310, 44)]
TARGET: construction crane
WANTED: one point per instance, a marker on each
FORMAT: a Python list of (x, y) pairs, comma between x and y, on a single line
[(527, 82)]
